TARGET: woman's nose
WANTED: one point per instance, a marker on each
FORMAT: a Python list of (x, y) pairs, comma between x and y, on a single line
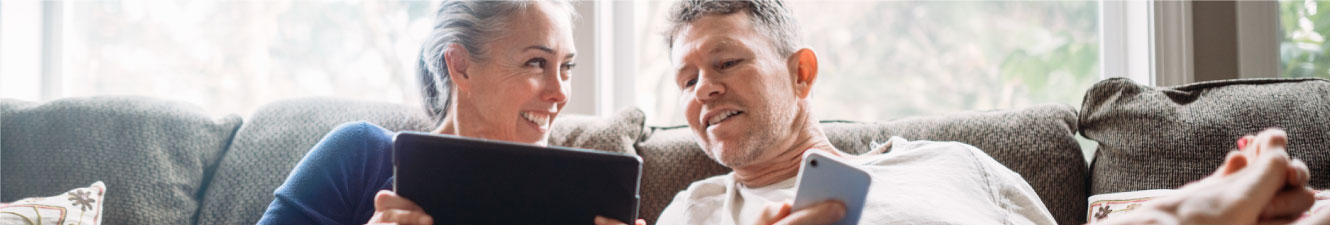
[(555, 89)]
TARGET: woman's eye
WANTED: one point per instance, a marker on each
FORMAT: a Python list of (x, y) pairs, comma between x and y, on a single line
[(536, 62), (569, 66)]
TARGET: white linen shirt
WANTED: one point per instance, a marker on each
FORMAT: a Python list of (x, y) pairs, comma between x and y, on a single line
[(917, 182)]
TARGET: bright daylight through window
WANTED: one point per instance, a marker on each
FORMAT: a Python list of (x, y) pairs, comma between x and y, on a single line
[(879, 60), (890, 59), (234, 56)]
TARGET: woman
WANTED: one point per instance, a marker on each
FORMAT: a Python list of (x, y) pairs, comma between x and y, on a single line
[(495, 70)]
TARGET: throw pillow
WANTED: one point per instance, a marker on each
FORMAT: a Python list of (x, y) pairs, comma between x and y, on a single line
[(1103, 206), (158, 154), (1163, 137), (76, 207)]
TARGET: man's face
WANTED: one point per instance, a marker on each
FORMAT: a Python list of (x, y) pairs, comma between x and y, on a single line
[(737, 91)]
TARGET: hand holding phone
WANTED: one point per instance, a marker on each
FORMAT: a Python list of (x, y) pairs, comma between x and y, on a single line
[(822, 178)]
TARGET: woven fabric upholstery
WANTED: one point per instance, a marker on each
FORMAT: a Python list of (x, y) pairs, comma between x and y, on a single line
[(279, 134), (1153, 138), (614, 134), (1036, 142), (671, 160), (275, 138), (154, 155)]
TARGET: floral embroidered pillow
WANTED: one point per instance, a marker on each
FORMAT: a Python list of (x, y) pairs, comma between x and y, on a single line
[(1103, 206), (76, 207)]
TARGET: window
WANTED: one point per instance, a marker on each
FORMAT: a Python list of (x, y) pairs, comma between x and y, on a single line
[(889, 59), (233, 56), (879, 60), (1303, 50)]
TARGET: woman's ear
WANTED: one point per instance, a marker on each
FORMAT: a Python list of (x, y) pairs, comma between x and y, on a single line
[(803, 67), (458, 59)]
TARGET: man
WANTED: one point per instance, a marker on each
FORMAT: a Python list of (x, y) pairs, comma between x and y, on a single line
[(745, 83)]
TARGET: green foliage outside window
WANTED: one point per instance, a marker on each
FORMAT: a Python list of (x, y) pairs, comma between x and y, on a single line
[(1303, 50)]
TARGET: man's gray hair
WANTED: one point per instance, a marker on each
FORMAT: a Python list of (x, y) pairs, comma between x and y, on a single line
[(470, 24), (770, 17)]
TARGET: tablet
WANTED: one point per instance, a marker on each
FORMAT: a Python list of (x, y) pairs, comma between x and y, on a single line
[(469, 181)]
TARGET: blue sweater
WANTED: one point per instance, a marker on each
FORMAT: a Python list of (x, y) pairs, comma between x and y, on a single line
[(336, 181)]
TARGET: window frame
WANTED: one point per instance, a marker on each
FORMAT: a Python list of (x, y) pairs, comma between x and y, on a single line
[(1125, 46), (1151, 42), (44, 75), (1258, 54), (617, 47)]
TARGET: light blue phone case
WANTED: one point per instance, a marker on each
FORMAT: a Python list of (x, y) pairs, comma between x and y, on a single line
[(822, 178)]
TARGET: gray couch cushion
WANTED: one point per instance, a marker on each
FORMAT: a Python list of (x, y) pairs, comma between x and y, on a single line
[(1036, 142), (279, 134), (671, 160), (1153, 138), (152, 154), (275, 138), (617, 133)]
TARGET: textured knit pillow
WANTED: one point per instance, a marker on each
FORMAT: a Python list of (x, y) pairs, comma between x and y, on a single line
[(81, 206), (1162, 138), (671, 160), (156, 153), (617, 133)]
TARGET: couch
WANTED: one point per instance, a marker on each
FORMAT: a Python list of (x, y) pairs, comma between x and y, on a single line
[(167, 162)]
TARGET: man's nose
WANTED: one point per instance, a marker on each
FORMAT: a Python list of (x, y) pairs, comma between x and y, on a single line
[(708, 89)]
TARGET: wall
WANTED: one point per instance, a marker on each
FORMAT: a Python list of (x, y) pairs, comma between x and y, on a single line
[(1214, 36)]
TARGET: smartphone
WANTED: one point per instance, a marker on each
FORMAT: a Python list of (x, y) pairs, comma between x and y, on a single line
[(823, 177)]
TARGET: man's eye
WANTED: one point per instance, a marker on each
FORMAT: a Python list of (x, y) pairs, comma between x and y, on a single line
[(536, 62), (730, 63), (690, 83)]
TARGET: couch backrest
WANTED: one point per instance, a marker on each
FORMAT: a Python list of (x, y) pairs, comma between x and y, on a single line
[(1036, 142), (153, 155), (274, 138), (277, 136)]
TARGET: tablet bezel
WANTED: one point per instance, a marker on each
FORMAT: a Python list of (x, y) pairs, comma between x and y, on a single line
[(407, 147)]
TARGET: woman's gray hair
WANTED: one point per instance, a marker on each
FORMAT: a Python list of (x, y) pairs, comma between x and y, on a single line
[(470, 24)]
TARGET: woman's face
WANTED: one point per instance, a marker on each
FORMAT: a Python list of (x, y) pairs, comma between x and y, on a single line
[(515, 94)]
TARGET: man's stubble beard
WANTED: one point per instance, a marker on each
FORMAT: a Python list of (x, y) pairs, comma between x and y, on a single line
[(765, 136)]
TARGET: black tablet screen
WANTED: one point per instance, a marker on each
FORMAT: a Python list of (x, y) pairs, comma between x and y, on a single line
[(467, 181)]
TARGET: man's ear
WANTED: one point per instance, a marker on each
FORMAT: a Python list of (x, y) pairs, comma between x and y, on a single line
[(803, 66), (458, 60)]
